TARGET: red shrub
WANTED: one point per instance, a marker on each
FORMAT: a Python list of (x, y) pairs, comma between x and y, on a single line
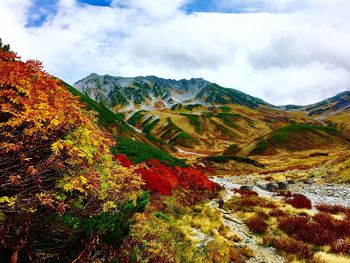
[(340, 227), (162, 179), (154, 182), (247, 201), (341, 246), (277, 213), (245, 193), (256, 201), (192, 179), (304, 229), (124, 161), (290, 246), (256, 224), (157, 177), (284, 194), (296, 200), (333, 209)]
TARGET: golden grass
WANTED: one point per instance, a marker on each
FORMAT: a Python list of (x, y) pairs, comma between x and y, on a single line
[(331, 258)]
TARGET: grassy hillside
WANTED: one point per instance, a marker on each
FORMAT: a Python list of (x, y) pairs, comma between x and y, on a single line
[(200, 128), (341, 121), (296, 137), (139, 152)]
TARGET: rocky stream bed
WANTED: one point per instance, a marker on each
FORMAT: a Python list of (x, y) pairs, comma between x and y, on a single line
[(316, 192)]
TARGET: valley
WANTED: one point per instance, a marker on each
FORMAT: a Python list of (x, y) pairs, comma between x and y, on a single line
[(272, 153), (118, 169)]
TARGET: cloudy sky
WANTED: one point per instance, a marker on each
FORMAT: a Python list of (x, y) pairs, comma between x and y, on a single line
[(283, 51)]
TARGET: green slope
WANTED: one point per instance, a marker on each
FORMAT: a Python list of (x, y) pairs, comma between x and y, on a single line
[(297, 137), (115, 122)]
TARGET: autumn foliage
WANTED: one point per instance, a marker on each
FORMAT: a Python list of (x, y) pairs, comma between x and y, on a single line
[(290, 246), (256, 224), (321, 229), (333, 209), (245, 193), (296, 200), (54, 162), (163, 179)]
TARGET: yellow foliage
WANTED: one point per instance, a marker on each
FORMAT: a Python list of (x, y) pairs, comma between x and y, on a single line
[(9, 201)]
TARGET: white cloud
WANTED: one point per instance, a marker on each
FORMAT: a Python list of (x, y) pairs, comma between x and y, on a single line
[(283, 57)]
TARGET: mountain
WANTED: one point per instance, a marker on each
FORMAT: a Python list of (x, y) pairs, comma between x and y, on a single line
[(152, 92), (334, 111), (194, 114), (115, 123), (330, 106)]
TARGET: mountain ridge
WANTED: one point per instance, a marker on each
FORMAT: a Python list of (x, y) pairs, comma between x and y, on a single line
[(151, 90)]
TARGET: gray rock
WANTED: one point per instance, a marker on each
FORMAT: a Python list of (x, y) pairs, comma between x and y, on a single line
[(308, 181), (246, 187), (272, 187), (282, 185), (291, 182)]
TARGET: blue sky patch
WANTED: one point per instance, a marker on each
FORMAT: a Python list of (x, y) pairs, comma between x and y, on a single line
[(97, 2), (40, 11)]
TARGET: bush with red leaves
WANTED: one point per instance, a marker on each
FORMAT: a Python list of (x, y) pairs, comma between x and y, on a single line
[(296, 200), (302, 228), (162, 179), (256, 201), (290, 246), (340, 227), (245, 193), (124, 161), (158, 183), (333, 209), (256, 224), (192, 179), (284, 194), (341, 246), (277, 212)]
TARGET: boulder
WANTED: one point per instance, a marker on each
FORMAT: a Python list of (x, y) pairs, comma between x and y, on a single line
[(291, 182), (282, 185), (246, 187), (308, 181), (272, 187)]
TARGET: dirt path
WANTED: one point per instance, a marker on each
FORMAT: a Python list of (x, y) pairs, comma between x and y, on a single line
[(237, 226)]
